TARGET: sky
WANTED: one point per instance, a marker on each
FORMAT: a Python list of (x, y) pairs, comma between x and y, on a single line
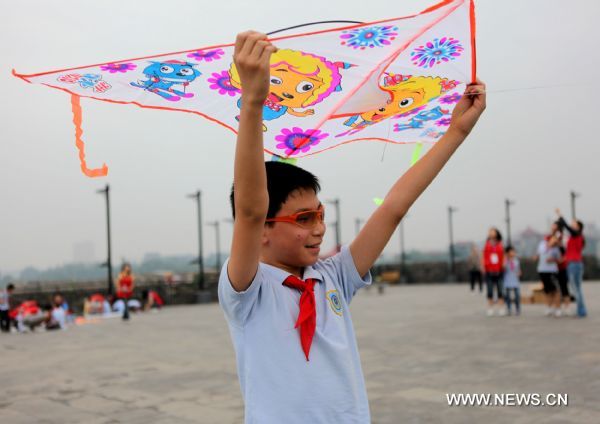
[(535, 143)]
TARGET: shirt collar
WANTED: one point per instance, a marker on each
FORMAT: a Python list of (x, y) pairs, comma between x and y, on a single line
[(280, 275)]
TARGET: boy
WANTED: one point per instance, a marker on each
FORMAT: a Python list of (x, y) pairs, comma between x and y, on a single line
[(287, 310), (548, 256), (512, 277)]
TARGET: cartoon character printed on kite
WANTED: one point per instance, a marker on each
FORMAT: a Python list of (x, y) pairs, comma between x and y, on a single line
[(163, 76), (298, 80), (420, 118), (407, 93)]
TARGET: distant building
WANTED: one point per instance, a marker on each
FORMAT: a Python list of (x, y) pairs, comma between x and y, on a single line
[(83, 252), (151, 256)]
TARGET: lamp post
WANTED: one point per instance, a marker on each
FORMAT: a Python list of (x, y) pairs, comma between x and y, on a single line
[(198, 196), (574, 196), (106, 192), (357, 224), (451, 211), (403, 277), (507, 205), (338, 237), (218, 241)]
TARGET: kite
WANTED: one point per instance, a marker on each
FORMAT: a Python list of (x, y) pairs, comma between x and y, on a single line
[(394, 80)]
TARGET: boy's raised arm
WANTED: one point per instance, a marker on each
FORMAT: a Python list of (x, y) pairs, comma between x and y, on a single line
[(251, 201), (373, 237)]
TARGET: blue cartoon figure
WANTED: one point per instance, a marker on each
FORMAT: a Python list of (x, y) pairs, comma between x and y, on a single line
[(162, 76), (419, 119)]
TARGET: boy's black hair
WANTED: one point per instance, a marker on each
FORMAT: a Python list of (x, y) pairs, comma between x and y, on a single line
[(580, 226), (282, 179), (11, 286), (509, 248)]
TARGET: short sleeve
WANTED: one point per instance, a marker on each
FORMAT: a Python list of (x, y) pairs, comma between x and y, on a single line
[(347, 274), (238, 305)]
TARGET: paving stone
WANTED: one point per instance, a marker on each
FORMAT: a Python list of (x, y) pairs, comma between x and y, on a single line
[(417, 343)]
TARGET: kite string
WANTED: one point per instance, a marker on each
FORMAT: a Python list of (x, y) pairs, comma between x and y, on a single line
[(388, 137), (536, 87), (313, 23), (96, 172)]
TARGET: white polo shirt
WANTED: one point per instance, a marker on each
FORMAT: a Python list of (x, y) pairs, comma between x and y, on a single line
[(278, 384)]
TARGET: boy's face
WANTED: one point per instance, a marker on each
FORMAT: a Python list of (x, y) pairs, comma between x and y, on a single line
[(288, 245)]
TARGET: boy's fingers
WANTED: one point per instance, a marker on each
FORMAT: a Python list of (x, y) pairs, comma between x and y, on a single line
[(251, 39), (258, 49), (239, 41), (267, 52)]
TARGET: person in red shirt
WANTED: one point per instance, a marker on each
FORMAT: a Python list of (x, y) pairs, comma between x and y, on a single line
[(492, 264), (574, 259), (125, 285), (563, 278)]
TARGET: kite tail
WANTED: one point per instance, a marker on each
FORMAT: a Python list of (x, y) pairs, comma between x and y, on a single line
[(291, 161), (97, 172), (416, 154)]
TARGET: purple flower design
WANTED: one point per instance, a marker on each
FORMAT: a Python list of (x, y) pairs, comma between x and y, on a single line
[(118, 67), (298, 140), (222, 83), (437, 51), (375, 36), (450, 98), (444, 122), (207, 56)]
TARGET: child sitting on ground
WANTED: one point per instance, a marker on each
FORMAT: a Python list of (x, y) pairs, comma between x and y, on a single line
[(287, 310)]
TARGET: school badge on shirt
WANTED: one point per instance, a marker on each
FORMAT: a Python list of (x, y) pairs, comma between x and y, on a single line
[(333, 297)]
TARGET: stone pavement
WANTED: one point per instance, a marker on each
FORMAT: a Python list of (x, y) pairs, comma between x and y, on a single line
[(417, 343)]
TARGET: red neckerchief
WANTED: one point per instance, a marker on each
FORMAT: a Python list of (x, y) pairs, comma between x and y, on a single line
[(307, 317)]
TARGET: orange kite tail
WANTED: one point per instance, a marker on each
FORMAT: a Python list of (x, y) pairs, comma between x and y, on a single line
[(97, 172)]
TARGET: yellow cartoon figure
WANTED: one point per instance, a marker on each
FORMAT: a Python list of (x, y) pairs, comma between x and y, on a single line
[(298, 80), (406, 93)]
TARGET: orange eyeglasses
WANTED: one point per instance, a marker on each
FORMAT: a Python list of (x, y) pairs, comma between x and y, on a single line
[(304, 219)]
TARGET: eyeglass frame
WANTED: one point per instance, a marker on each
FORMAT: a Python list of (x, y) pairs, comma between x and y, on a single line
[(292, 219)]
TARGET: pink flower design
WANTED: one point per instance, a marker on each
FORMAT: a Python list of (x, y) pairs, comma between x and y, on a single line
[(207, 56), (118, 67), (222, 83), (298, 140)]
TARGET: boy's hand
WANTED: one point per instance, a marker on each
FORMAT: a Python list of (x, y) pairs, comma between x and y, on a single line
[(468, 109), (252, 57)]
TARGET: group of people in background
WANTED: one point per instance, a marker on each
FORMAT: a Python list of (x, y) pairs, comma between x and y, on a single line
[(559, 266), (28, 315), (124, 301), (55, 315)]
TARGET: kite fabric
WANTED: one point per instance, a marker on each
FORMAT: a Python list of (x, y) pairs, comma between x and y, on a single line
[(394, 80)]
